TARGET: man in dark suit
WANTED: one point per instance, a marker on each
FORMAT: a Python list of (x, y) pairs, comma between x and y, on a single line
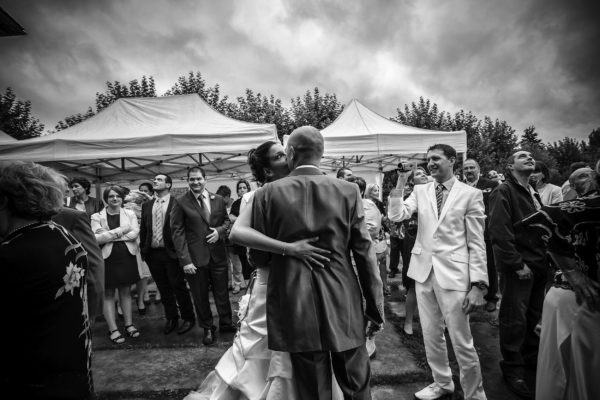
[(199, 221), (474, 179), (317, 314), (78, 224), (158, 250)]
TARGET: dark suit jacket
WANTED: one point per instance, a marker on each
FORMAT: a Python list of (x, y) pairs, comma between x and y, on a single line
[(92, 205), (317, 309), (78, 224), (190, 228), (146, 229), (486, 186)]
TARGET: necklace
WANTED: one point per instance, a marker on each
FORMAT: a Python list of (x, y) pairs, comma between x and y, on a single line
[(22, 227)]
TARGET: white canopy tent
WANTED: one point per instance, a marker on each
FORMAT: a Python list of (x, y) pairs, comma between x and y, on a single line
[(370, 144), (5, 138), (139, 137)]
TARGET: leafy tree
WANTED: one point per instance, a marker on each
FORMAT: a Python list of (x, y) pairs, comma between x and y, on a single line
[(499, 142), (565, 152), (262, 109), (471, 125), (315, 109), (424, 115), (530, 139), (74, 119), (115, 90), (16, 119), (195, 83), (592, 149)]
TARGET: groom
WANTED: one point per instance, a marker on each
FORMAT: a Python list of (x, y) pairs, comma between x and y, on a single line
[(316, 314)]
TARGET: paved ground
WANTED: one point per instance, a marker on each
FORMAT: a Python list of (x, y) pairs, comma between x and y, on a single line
[(156, 366)]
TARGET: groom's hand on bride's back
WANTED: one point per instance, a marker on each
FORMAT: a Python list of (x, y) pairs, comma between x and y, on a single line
[(189, 268), (311, 255)]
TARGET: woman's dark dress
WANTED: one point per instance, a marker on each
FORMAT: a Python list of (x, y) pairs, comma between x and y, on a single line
[(121, 266), (46, 339)]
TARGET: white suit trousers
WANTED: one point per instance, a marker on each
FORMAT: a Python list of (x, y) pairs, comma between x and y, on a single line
[(439, 308)]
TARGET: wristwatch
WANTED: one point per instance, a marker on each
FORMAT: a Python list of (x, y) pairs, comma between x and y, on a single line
[(479, 285)]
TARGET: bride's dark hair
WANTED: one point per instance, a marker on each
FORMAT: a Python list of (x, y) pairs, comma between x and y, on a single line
[(258, 159)]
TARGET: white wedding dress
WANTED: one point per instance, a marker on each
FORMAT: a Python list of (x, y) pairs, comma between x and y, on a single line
[(249, 370)]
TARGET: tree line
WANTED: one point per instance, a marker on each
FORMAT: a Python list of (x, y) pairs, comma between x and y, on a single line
[(489, 141)]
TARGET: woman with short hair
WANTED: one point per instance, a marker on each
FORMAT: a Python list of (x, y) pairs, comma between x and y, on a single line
[(81, 199), (46, 339)]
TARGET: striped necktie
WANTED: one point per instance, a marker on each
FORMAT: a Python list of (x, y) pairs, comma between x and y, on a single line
[(157, 230), (439, 197)]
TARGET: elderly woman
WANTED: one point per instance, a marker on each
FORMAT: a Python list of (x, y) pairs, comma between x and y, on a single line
[(46, 339), (81, 199), (117, 230), (549, 193)]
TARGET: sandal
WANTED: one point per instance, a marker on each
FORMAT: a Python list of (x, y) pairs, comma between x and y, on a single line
[(119, 339), (132, 331)]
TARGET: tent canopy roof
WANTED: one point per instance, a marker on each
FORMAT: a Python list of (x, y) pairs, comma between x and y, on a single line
[(362, 139), (145, 136), (5, 138)]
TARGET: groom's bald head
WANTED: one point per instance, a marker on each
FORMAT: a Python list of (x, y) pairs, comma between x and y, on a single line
[(305, 146)]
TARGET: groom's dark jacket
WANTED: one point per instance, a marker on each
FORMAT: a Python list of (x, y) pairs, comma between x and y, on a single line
[(319, 309)]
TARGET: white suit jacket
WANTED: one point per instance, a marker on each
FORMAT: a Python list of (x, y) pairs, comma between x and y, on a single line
[(106, 236), (453, 244)]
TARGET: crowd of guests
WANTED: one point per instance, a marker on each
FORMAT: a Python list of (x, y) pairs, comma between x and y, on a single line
[(541, 244), (514, 237)]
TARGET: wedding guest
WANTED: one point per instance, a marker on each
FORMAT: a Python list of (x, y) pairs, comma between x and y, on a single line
[(157, 248), (242, 187), (146, 187), (569, 356), (78, 224), (522, 266), (567, 191), (133, 202), (81, 199), (448, 264), (371, 198), (548, 192), (117, 230), (199, 221), (344, 173), (474, 179), (409, 230), (46, 338)]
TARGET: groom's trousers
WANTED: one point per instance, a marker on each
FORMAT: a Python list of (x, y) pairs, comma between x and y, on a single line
[(312, 371)]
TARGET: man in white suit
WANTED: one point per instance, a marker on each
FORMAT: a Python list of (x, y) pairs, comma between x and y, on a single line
[(448, 264)]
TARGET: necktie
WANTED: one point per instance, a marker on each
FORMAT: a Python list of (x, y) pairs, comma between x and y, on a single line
[(439, 197), (203, 207), (157, 231)]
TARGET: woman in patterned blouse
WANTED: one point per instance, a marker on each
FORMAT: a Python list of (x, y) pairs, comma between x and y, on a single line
[(46, 339)]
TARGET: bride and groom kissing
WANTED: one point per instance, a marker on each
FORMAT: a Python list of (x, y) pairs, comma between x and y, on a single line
[(303, 335)]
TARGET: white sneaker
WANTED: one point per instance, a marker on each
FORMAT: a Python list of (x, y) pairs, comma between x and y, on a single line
[(432, 392)]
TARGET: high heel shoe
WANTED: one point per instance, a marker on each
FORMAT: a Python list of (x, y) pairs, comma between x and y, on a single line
[(142, 310), (157, 297)]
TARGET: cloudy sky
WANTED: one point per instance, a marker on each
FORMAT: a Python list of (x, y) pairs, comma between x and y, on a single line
[(527, 62)]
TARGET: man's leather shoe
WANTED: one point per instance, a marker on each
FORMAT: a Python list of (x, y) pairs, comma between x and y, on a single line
[(518, 386), (170, 326), (185, 327), (227, 328), (209, 336)]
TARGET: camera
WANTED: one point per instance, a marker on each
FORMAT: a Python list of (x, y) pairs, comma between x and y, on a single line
[(403, 167)]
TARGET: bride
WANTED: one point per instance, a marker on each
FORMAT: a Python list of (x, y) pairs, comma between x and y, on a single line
[(249, 370)]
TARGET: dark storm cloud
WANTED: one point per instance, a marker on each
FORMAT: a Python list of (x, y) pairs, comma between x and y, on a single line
[(525, 62)]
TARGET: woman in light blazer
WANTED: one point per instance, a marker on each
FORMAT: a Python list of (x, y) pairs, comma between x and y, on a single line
[(116, 231)]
